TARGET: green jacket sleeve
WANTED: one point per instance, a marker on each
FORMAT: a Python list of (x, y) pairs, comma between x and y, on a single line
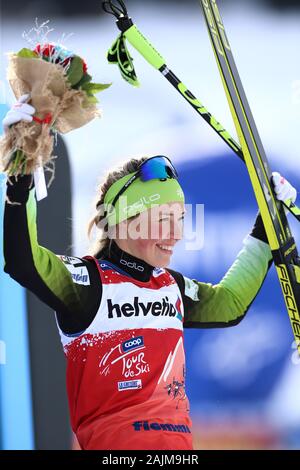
[(226, 303), (62, 282)]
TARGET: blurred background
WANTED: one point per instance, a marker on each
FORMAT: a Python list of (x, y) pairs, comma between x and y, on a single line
[(243, 382)]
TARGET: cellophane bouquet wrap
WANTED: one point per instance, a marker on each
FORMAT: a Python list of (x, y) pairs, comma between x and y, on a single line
[(63, 95)]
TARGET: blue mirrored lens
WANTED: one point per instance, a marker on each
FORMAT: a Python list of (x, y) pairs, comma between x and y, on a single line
[(156, 167)]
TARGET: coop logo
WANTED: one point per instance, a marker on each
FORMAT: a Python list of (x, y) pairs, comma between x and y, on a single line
[(132, 344), (130, 385), (147, 426), (164, 308)]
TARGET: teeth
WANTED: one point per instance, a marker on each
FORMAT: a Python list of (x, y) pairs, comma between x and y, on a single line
[(165, 247)]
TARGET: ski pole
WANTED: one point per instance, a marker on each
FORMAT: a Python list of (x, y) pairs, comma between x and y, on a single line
[(130, 31), (280, 237)]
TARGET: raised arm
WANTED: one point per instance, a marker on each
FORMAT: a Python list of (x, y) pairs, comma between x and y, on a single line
[(225, 304), (68, 285)]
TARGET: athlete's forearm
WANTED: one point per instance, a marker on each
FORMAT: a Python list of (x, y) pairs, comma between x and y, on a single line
[(33, 266), (226, 303), (16, 241)]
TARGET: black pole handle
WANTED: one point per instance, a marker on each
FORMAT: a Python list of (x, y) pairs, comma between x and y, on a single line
[(116, 8)]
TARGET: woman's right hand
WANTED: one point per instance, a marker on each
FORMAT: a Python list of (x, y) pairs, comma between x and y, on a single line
[(20, 111)]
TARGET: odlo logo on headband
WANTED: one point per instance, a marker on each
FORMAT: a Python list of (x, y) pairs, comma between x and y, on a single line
[(143, 201)]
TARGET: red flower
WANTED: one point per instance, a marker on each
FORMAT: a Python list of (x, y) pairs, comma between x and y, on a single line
[(46, 50), (84, 66)]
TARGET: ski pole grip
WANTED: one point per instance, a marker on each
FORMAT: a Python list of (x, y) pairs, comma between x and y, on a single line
[(143, 46)]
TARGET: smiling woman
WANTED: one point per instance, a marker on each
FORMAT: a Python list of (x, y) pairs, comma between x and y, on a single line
[(141, 207), (154, 231), (121, 311), (153, 234)]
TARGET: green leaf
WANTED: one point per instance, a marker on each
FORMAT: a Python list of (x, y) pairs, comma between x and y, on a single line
[(27, 54), (91, 99), (75, 71), (92, 88), (85, 79)]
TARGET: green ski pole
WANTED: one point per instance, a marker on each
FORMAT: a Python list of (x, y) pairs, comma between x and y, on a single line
[(119, 54)]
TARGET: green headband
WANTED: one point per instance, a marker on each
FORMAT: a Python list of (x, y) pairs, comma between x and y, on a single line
[(139, 197)]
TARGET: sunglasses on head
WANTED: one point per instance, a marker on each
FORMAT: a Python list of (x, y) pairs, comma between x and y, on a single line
[(158, 167)]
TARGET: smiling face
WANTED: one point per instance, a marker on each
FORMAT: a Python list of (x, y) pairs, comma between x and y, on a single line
[(152, 235)]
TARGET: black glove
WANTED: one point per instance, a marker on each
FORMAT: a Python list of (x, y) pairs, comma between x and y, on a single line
[(258, 230), (18, 188)]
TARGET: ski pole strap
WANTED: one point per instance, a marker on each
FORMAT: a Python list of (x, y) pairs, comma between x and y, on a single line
[(119, 54), (291, 206), (130, 31), (286, 253)]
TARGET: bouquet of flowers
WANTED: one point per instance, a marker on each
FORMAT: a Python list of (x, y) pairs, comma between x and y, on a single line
[(63, 95)]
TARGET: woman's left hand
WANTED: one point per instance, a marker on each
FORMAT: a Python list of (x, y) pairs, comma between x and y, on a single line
[(283, 189)]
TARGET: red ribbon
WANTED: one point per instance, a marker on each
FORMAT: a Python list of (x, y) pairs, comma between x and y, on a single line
[(47, 119)]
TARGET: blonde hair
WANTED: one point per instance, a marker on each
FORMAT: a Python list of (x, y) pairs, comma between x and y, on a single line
[(104, 242)]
